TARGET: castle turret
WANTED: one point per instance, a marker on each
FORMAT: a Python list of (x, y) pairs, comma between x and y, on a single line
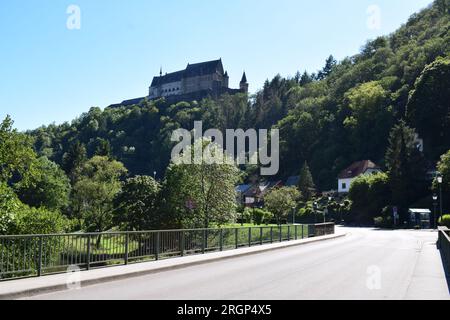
[(243, 85)]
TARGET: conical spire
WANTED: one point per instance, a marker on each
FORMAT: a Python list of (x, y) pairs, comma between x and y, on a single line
[(160, 72), (244, 78)]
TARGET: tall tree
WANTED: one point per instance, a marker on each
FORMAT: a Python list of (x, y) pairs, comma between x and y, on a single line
[(306, 183), (406, 167), (330, 64), (199, 194), (428, 107), (74, 159), (16, 152), (95, 190), (136, 206)]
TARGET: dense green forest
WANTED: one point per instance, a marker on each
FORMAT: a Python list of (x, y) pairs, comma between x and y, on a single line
[(100, 166)]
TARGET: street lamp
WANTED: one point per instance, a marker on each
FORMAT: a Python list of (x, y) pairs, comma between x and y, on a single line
[(440, 180), (154, 175), (315, 204), (435, 198)]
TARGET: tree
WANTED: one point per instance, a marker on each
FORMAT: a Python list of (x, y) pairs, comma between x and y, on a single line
[(95, 190), (74, 159), (136, 206), (16, 152), (428, 108), (406, 167), (260, 216), (280, 201), (369, 194), (444, 169), (48, 187), (197, 195), (306, 183), (330, 64)]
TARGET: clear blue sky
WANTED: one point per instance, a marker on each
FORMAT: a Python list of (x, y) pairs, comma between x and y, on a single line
[(49, 73)]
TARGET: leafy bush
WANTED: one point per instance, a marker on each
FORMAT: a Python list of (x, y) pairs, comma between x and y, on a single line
[(383, 222), (261, 216), (445, 220)]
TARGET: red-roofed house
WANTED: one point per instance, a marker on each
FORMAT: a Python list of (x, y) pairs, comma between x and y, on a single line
[(355, 170)]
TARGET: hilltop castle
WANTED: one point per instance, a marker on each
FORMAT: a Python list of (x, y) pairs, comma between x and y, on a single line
[(196, 82)]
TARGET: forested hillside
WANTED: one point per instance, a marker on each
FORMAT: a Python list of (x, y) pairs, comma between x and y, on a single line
[(330, 118)]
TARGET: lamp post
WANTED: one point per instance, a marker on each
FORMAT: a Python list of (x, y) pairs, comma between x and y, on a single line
[(440, 180), (154, 175), (315, 211), (436, 220)]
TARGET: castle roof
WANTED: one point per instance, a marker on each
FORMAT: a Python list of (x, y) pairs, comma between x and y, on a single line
[(244, 78), (192, 70)]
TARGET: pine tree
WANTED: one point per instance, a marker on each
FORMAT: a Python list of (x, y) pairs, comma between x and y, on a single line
[(406, 167), (330, 64), (306, 183), (74, 159)]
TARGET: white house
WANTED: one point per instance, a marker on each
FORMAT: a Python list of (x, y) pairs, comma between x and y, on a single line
[(347, 176)]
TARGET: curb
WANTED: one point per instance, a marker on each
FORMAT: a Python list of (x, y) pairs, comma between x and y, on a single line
[(133, 274)]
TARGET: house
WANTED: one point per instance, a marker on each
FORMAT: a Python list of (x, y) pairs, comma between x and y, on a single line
[(254, 195), (240, 192), (352, 172)]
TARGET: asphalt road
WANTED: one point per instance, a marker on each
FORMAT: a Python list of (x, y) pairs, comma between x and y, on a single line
[(367, 264)]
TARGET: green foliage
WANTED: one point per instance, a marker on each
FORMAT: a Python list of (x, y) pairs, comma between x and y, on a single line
[(445, 220), (383, 222), (306, 183), (406, 167), (47, 187), (39, 221), (95, 190), (260, 216), (369, 194), (428, 107), (136, 206), (197, 195), (280, 202), (444, 168), (16, 152), (9, 206)]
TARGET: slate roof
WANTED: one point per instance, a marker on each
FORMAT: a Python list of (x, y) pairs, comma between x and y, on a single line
[(357, 168), (192, 70)]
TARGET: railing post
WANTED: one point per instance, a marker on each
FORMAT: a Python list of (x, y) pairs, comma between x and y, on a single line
[(271, 234), (127, 242), (39, 268), (204, 242), (158, 235), (88, 254), (236, 238), (289, 233), (281, 234), (221, 239), (250, 237), (261, 236), (303, 231), (296, 232), (182, 243)]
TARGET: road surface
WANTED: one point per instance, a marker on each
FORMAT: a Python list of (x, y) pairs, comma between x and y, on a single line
[(367, 264)]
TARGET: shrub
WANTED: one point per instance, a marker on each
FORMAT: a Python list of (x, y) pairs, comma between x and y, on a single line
[(261, 216), (445, 220), (383, 222)]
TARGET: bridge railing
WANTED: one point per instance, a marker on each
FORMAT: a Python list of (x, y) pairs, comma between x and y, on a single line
[(37, 255), (444, 245)]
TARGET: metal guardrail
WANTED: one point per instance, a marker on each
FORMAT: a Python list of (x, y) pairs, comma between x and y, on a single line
[(37, 255), (444, 245)]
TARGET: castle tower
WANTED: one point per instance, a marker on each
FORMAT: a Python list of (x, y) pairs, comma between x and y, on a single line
[(226, 80), (243, 85)]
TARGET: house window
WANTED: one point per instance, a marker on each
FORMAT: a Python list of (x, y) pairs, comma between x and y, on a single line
[(344, 185)]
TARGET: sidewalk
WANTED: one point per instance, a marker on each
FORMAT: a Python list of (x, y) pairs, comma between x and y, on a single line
[(32, 286)]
